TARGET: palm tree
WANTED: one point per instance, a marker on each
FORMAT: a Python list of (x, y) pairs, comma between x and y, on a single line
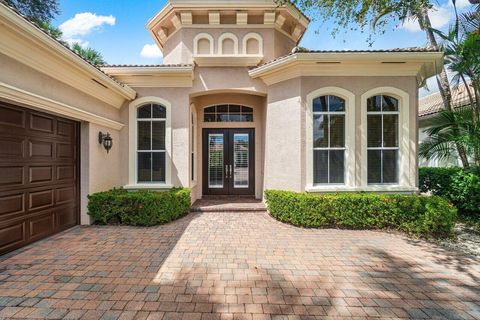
[(460, 127), (452, 128), (89, 54)]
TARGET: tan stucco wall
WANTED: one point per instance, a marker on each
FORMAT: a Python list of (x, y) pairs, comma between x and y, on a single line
[(285, 126), (180, 102), (179, 48), (99, 171), (227, 78), (283, 136)]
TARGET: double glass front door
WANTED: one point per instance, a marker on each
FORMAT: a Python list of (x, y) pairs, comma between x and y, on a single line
[(228, 162)]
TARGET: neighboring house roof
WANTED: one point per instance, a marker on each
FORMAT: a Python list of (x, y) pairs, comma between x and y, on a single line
[(433, 103), (21, 24)]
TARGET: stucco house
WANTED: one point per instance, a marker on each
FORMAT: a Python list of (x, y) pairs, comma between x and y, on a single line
[(236, 108)]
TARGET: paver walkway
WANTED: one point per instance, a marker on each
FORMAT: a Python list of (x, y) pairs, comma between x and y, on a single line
[(235, 266)]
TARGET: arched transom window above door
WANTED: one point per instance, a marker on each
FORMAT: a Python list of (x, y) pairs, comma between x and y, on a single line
[(228, 113)]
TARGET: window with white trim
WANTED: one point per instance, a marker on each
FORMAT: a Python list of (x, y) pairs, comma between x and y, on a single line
[(382, 139), (328, 140), (151, 143)]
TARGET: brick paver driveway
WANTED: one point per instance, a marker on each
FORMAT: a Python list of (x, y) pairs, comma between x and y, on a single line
[(235, 265)]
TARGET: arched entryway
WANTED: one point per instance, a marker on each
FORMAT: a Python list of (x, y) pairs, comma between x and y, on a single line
[(230, 142)]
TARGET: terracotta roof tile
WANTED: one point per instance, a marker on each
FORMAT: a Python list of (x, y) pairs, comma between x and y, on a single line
[(433, 103), (305, 50)]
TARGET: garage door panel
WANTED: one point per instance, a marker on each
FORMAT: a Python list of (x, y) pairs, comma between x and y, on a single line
[(41, 149), (12, 236), (42, 123), (11, 116), (40, 199), (66, 128), (65, 151), (41, 226), (12, 204), (11, 176), (38, 179), (40, 174), (12, 148), (65, 195), (66, 217), (65, 173)]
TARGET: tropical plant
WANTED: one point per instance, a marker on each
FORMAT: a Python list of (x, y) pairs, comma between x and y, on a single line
[(53, 31), (89, 54), (458, 128), (450, 129), (378, 14)]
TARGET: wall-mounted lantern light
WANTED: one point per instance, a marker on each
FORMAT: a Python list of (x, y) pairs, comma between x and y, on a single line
[(106, 140)]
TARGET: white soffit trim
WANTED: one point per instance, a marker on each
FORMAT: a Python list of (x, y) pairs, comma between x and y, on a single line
[(17, 95), (422, 65), (23, 41)]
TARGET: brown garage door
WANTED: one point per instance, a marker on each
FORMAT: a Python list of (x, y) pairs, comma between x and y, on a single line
[(38, 175)]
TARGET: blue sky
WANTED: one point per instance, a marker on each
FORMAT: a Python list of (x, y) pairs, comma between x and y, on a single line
[(116, 28)]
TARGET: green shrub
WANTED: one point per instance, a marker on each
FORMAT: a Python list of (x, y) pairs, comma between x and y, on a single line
[(141, 208), (461, 187), (409, 213)]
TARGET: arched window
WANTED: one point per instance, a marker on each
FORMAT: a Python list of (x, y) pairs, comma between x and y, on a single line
[(383, 140), (228, 44), (252, 44), (329, 140), (151, 143), (228, 113), (203, 44)]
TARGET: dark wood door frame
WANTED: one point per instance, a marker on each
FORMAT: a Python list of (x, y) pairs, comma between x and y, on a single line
[(228, 159)]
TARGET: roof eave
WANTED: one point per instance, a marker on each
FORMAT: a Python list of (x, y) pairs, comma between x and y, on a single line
[(34, 34), (428, 62)]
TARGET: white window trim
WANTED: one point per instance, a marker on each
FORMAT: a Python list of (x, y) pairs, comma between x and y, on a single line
[(404, 140), (193, 133), (224, 36), (252, 35), (199, 37), (349, 98), (132, 133)]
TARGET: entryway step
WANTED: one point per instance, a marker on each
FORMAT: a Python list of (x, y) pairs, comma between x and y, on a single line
[(228, 205)]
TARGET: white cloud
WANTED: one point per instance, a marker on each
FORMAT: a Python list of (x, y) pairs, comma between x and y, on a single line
[(82, 24), (461, 4), (151, 51), (440, 16)]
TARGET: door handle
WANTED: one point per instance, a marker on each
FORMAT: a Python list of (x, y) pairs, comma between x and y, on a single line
[(231, 172), (226, 171)]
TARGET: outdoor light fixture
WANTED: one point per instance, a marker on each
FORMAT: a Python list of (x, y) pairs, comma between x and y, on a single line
[(106, 140)]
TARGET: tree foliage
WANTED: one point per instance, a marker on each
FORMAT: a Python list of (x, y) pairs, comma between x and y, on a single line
[(459, 127), (373, 15), (89, 54), (36, 10)]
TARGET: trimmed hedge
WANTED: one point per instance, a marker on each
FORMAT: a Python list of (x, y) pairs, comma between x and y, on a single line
[(409, 213), (461, 187), (140, 208)]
